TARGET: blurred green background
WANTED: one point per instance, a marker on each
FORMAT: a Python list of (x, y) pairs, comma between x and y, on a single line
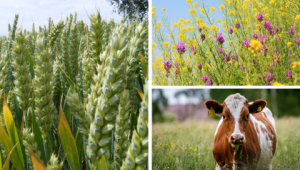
[(282, 102)]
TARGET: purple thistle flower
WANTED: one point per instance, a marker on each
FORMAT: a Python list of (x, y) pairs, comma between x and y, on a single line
[(289, 74), (199, 66), (226, 58), (276, 29), (259, 17), (181, 47), (234, 56), (242, 68), (167, 65), (267, 25), (237, 25), (270, 77), (292, 31), (205, 78), (194, 49), (265, 50), (298, 40), (230, 30), (255, 35), (254, 63), (202, 37), (276, 38), (269, 83), (247, 43), (220, 38), (220, 50), (209, 83), (200, 29), (176, 64)]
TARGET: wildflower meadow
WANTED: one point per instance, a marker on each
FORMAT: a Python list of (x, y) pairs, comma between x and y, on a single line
[(257, 42)]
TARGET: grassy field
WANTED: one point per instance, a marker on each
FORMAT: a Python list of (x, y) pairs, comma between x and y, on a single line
[(188, 145)]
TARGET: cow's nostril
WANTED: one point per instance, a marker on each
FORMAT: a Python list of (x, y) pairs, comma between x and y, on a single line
[(232, 138)]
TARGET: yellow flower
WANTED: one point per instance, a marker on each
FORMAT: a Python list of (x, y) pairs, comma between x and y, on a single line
[(190, 147), (153, 14), (155, 65), (249, 85), (297, 17), (156, 76), (153, 8), (231, 41), (295, 64), (153, 45), (161, 66), (219, 20), (277, 84), (189, 1), (181, 19), (171, 35), (155, 27), (223, 23), (195, 150), (289, 44), (158, 59), (214, 28), (212, 9), (187, 21), (171, 146), (222, 7), (192, 11), (185, 69), (181, 36), (230, 62), (166, 44), (176, 59), (255, 47), (160, 144), (158, 23), (272, 2), (195, 4), (163, 9), (203, 10), (198, 153), (168, 167)]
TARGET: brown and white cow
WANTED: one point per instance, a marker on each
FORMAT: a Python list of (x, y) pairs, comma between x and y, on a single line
[(245, 137)]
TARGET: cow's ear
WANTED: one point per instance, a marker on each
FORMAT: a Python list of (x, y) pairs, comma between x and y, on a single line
[(257, 106), (213, 107)]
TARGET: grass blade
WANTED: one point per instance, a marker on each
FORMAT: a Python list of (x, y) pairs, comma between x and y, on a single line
[(11, 129), (67, 140), (36, 162), (6, 164)]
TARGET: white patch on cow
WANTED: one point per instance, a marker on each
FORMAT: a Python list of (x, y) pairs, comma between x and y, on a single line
[(220, 122), (235, 103), (218, 167), (265, 143)]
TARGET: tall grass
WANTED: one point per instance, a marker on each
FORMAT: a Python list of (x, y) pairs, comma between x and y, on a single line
[(188, 145)]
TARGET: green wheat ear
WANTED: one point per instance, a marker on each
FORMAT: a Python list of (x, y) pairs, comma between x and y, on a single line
[(44, 106), (23, 84), (137, 154), (96, 36), (54, 164), (122, 129), (29, 142)]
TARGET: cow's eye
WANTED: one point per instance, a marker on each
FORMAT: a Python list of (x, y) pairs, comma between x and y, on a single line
[(247, 116), (223, 117)]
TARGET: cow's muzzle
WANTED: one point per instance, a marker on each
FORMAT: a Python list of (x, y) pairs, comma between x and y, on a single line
[(237, 139)]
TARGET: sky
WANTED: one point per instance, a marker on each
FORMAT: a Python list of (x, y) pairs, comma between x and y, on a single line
[(39, 11), (176, 9)]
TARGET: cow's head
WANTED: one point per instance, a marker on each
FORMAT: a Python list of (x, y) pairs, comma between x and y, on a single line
[(235, 114)]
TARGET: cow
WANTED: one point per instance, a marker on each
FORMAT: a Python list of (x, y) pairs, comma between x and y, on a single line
[(245, 137)]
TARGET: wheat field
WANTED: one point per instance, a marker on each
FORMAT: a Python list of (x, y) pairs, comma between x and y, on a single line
[(188, 145)]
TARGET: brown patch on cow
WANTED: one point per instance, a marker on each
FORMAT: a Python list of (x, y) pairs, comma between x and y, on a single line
[(247, 154), (270, 129), (222, 151)]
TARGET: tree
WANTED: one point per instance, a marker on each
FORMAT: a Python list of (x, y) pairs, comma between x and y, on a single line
[(130, 7)]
